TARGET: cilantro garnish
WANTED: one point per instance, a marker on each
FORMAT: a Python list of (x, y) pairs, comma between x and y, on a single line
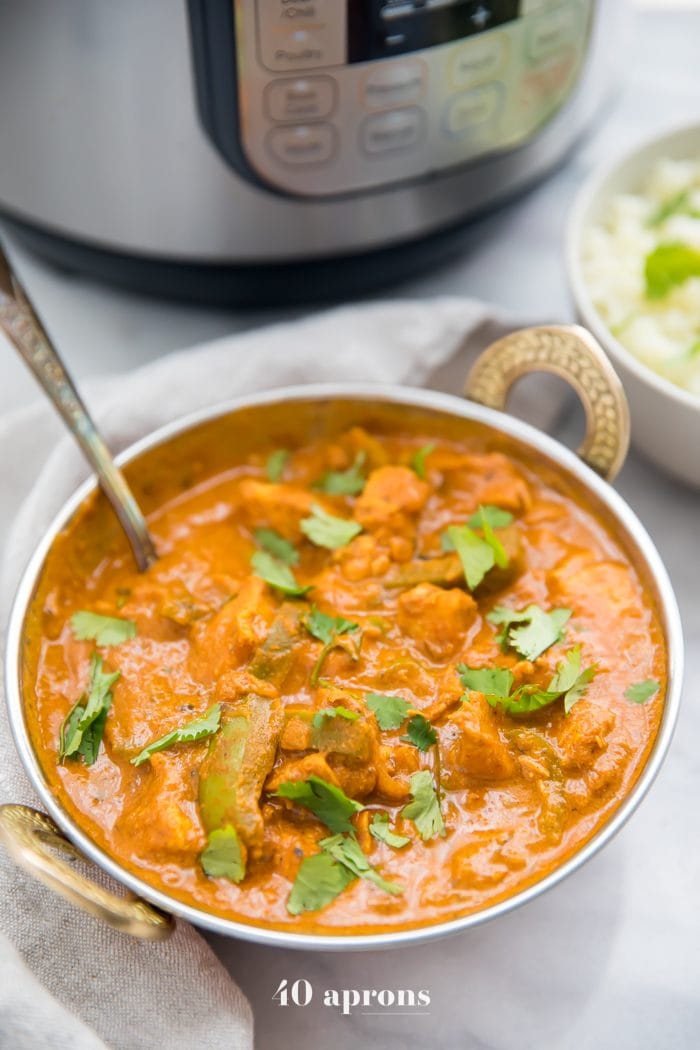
[(640, 692), (568, 682), (496, 517), (346, 850), (328, 629), (390, 711), (275, 464), (380, 830), (277, 546), (104, 630), (324, 800), (197, 729), (536, 629), (319, 881), (223, 856), (478, 555), (668, 266), (348, 482), (325, 530), (277, 574), (424, 810), (498, 680), (420, 733), (676, 205), (333, 712), (324, 876), (418, 460), (83, 727)]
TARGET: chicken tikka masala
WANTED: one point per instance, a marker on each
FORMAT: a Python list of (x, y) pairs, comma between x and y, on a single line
[(375, 680)]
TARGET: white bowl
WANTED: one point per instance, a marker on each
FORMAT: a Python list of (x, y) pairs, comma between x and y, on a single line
[(665, 418)]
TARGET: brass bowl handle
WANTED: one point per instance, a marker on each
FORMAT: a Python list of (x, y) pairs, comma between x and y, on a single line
[(571, 352), (31, 837)]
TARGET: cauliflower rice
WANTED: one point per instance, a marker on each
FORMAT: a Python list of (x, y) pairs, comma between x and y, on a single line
[(664, 332)]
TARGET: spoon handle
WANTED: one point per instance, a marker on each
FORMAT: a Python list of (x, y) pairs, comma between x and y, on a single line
[(21, 325)]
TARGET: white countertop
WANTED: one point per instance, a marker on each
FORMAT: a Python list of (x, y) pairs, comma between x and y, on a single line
[(611, 957)]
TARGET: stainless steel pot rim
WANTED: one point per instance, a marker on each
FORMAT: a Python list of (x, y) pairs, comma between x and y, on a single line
[(402, 395)]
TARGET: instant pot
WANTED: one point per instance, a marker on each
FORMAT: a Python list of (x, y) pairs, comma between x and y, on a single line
[(271, 150)]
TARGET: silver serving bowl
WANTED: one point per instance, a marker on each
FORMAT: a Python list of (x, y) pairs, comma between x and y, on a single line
[(33, 837)]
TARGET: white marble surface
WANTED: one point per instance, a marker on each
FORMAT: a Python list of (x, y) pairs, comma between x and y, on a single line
[(611, 958)]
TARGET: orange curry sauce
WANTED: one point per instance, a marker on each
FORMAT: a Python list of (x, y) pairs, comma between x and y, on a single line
[(518, 793)]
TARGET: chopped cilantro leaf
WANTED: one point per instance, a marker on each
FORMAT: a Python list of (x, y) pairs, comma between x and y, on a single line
[(418, 460), (497, 680), (223, 857), (328, 629), (668, 266), (320, 879), (104, 630), (496, 517), (346, 850), (348, 482), (478, 556), (535, 630), (333, 712), (325, 530), (420, 733), (277, 546), (197, 729), (83, 727), (275, 464), (380, 830), (277, 574), (640, 692), (424, 810), (324, 800), (390, 711), (568, 682)]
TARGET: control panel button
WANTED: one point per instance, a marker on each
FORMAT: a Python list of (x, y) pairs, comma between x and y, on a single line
[(303, 143), (471, 110), (300, 98), (480, 59), (301, 34), (396, 129), (395, 84), (550, 32)]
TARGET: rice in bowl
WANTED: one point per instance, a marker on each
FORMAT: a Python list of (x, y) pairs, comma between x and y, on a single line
[(641, 265)]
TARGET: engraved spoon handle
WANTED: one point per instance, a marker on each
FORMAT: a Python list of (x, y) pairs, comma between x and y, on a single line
[(21, 325)]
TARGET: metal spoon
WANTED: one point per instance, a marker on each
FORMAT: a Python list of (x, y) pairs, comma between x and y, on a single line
[(20, 323)]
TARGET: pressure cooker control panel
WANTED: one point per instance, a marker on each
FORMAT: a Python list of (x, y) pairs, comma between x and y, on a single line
[(341, 96)]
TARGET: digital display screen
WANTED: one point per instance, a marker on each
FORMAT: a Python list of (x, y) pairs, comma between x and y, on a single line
[(383, 28)]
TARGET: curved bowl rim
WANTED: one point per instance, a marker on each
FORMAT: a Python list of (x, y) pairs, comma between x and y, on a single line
[(594, 187), (410, 397)]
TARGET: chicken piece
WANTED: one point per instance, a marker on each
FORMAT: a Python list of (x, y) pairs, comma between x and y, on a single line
[(607, 772), (301, 769), (584, 735), (296, 729), (362, 558), (471, 745), (394, 765), (340, 736), (605, 589), (436, 619), (233, 685), (280, 507), (231, 636), (356, 779), (390, 496), (166, 812)]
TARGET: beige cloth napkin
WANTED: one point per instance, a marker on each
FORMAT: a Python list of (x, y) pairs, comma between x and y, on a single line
[(81, 984)]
